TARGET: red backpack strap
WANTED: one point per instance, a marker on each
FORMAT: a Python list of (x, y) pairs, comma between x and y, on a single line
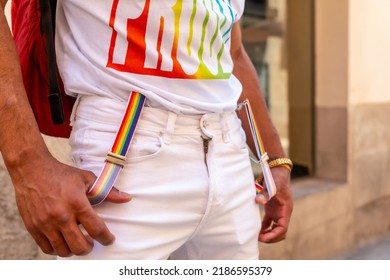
[(55, 100)]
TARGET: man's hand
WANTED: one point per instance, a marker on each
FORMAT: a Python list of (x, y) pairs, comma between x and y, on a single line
[(52, 201), (278, 209)]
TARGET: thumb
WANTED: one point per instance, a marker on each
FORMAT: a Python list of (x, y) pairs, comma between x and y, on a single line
[(117, 196)]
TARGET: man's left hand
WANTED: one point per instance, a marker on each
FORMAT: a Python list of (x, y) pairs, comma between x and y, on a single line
[(278, 209)]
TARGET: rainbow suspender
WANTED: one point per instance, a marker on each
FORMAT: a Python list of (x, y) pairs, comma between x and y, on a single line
[(116, 158), (261, 154)]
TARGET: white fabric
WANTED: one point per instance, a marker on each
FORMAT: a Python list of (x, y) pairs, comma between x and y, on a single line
[(176, 53), (186, 204)]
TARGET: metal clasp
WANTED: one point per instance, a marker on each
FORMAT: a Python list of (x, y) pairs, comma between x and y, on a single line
[(116, 159)]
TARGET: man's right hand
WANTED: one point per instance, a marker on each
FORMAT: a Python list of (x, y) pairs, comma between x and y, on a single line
[(52, 201)]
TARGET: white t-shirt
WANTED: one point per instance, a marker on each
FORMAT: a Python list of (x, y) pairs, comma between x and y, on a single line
[(175, 52)]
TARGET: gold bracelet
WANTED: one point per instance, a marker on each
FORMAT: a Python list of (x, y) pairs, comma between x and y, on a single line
[(285, 162), (276, 162)]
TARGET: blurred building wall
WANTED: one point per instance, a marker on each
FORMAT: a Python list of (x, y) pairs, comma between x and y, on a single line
[(347, 201)]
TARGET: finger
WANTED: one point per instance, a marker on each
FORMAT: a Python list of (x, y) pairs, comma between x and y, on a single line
[(117, 196), (275, 231), (262, 198), (276, 234), (43, 243), (78, 243), (266, 223), (91, 222), (95, 227), (59, 244)]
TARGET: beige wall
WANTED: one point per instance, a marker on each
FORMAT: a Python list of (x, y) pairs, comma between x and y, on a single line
[(331, 41), (331, 88), (369, 52), (352, 52), (369, 112)]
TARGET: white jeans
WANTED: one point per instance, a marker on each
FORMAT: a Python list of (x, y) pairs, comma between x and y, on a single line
[(190, 178)]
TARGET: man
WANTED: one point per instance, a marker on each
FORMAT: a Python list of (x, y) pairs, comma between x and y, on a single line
[(188, 173)]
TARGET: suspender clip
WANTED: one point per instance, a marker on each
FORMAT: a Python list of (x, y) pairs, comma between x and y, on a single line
[(116, 159)]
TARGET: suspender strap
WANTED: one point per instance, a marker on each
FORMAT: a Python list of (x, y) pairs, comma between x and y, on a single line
[(116, 158), (261, 154)]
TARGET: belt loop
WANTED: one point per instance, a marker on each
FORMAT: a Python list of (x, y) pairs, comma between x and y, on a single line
[(225, 128), (170, 129)]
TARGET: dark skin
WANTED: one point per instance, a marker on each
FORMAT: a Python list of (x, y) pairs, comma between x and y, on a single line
[(51, 196), (279, 208)]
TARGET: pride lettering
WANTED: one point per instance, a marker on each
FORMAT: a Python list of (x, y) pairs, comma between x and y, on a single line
[(187, 39)]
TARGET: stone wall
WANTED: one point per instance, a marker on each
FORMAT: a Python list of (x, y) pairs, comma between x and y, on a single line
[(369, 165), (15, 242)]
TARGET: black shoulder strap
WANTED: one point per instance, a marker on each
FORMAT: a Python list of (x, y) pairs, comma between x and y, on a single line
[(47, 25)]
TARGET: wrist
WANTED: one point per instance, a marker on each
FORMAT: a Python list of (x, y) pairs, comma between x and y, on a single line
[(277, 162), (24, 152), (280, 161), (21, 142)]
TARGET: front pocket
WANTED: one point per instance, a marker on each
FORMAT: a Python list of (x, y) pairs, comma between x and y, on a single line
[(145, 145)]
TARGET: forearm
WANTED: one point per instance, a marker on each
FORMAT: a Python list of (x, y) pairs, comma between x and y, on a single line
[(277, 209), (20, 139), (246, 73)]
